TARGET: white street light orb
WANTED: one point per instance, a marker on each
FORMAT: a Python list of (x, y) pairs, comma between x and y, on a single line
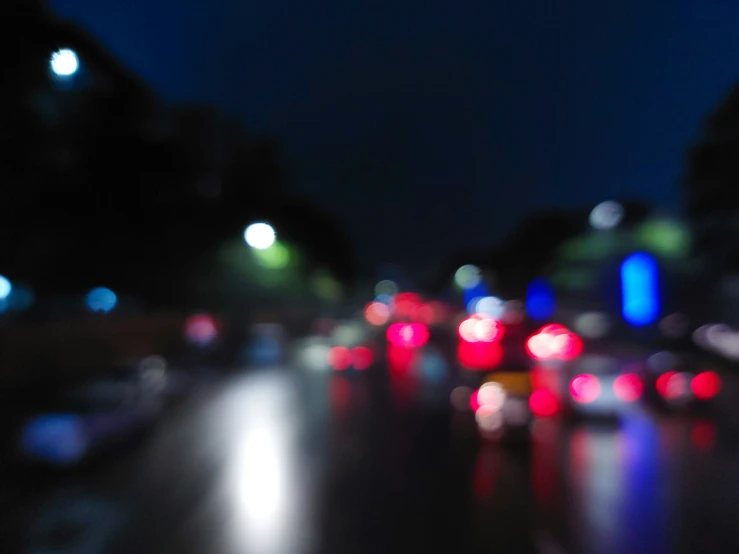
[(259, 235), (5, 287), (606, 215), (64, 62)]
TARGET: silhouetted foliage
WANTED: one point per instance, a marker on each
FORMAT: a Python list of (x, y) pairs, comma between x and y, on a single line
[(106, 185), (532, 246), (711, 183)]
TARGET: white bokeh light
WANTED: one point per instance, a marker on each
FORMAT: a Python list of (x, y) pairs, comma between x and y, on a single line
[(468, 276), (5, 287), (259, 235), (64, 62), (606, 215)]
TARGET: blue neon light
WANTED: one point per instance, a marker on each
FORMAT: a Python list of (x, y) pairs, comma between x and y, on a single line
[(639, 289), (540, 302)]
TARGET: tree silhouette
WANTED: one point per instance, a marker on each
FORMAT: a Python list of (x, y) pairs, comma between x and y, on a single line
[(107, 185), (711, 182)]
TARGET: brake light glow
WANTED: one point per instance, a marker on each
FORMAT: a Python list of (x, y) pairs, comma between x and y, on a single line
[(585, 388), (339, 358), (408, 334), (705, 385), (628, 387), (543, 403), (554, 341), (479, 328)]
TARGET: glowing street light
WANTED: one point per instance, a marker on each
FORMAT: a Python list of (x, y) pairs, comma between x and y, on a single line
[(259, 235), (5, 287), (64, 62), (606, 215)]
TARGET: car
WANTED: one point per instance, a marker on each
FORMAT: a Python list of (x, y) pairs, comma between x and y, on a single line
[(86, 420), (599, 385)]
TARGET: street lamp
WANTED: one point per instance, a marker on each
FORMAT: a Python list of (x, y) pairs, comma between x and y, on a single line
[(606, 215), (5, 287), (259, 235), (64, 62)]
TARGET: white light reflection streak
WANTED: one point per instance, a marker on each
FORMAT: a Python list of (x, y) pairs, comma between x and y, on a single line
[(263, 478)]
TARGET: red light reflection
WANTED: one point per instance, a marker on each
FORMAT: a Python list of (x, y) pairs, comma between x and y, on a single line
[(704, 434), (479, 356), (400, 360)]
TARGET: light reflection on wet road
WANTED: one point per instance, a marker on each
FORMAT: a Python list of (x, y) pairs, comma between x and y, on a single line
[(281, 461)]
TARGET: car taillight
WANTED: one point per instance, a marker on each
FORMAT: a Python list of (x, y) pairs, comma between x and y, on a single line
[(705, 385), (585, 388), (628, 387)]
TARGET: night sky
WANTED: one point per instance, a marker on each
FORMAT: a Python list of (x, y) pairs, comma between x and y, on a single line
[(431, 128)]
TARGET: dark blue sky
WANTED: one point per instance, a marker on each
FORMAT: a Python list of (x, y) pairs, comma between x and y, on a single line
[(430, 125)]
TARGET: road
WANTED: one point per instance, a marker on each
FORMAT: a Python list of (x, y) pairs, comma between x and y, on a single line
[(287, 461)]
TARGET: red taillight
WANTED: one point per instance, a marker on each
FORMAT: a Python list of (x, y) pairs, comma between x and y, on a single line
[(672, 385), (474, 403), (339, 357), (408, 334), (554, 341), (628, 387), (405, 302), (543, 403), (377, 313), (539, 346), (361, 357), (480, 329), (479, 356), (201, 329), (585, 388), (569, 345), (705, 385)]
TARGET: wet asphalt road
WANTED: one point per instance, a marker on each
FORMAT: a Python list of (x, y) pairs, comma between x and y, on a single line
[(288, 461)]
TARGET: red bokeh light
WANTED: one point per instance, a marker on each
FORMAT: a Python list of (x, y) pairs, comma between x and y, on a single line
[(585, 388), (628, 387), (474, 403), (408, 334), (423, 313), (361, 357), (339, 358), (201, 329), (480, 329), (401, 360), (479, 356), (704, 434), (569, 346), (543, 403), (705, 385), (377, 313), (672, 385), (554, 341), (540, 346), (405, 302), (553, 329)]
